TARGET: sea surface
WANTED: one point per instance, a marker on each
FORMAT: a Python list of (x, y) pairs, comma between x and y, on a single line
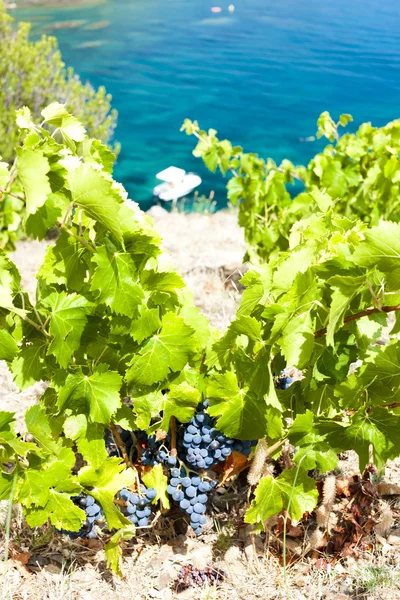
[(260, 75)]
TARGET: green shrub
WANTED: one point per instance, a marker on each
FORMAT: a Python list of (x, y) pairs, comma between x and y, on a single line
[(33, 74)]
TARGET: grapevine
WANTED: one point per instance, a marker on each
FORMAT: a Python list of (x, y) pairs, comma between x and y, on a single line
[(358, 170), (155, 404)]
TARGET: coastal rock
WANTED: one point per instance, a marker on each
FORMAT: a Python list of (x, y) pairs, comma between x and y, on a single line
[(157, 212)]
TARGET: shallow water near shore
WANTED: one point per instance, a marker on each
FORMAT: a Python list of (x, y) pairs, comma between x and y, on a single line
[(260, 75)]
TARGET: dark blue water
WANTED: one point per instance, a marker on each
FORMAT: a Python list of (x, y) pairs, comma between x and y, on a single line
[(260, 75)]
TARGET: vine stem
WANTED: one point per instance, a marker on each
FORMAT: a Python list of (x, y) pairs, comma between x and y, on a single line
[(65, 219), (294, 175), (120, 444), (364, 313), (172, 426), (28, 320), (9, 515), (285, 526), (79, 238), (3, 191)]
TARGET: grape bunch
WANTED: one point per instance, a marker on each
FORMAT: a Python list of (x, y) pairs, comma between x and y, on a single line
[(201, 445), (137, 508), (93, 514), (190, 493), (153, 451), (283, 381), (244, 446), (189, 576)]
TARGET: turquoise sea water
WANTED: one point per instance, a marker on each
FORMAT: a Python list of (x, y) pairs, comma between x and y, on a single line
[(260, 75)]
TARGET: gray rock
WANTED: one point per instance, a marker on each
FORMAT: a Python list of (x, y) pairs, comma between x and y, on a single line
[(394, 537), (162, 556), (157, 212), (165, 578)]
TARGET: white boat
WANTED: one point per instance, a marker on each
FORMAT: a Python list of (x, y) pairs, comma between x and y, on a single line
[(177, 183)]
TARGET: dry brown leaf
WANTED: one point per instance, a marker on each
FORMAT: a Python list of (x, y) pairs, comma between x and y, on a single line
[(160, 435), (235, 463), (93, 544), (295, 531), (388, 489), (22, 557), (347, 486), (342, 487)]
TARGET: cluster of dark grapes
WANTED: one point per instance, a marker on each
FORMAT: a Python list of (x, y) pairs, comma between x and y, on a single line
[(189, 577), (93, 514), (138, 508), (244, 446), (154, 452), (201, 445), (190, 493), (283, 381)]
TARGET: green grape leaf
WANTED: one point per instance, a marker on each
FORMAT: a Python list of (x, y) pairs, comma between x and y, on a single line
[(297, 341), (125, 418), (113, 281), (180, 402), (146, 324), (322, 199), (48, 490), (97, 393), (247, 326), (147, 407), (56, 114), (65, 263), (63, 513), (334, 180), (378, 428), (24, 118), (29, 364), (255, 294), (38, 425), (293, 491), (380, 374), (162, 354), (67, 322), (113, 550), (6, 418), (37, 485), (4, 175), (345, 289), (8, 346), (240, 413), (344, 119), (92, 192), (75, 426), (38, 224), (91, 444), (6, 484), (33, 168), (320, 457), (162, 281), (198, 322), (157, 480), (381, 247)]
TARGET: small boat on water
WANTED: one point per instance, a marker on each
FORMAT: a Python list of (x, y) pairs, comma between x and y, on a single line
[(177, 183)]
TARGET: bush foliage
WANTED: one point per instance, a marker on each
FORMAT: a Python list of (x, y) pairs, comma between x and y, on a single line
[(33, 74), (360, 171)]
